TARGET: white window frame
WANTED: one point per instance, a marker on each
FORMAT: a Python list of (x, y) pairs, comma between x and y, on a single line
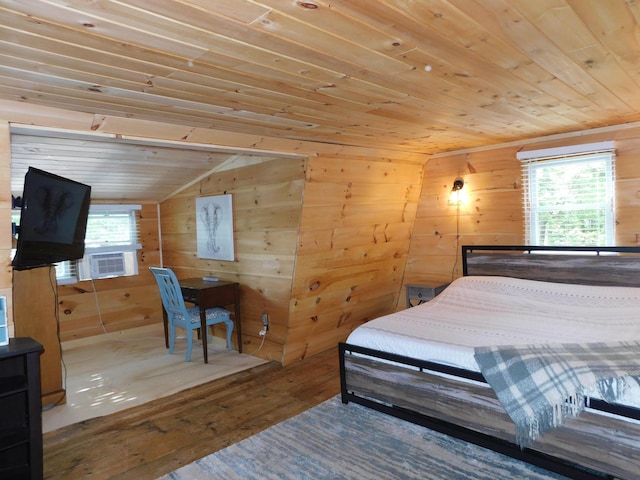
[(534, 161), (75, 270)]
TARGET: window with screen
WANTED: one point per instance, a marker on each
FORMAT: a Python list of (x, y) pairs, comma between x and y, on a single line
[(569, 195), (111, 245)]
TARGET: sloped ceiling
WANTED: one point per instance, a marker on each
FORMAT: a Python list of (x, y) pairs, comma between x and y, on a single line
[(414, 75), (119, 170)]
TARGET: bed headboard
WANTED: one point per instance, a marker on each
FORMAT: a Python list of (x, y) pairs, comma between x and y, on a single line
[(614, 266)]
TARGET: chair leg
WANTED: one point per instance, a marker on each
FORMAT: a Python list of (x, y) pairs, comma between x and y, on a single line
[(189, 344), (229, 324), (172, 338)]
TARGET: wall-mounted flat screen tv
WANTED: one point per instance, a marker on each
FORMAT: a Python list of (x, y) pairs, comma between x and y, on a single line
[(53, 220)]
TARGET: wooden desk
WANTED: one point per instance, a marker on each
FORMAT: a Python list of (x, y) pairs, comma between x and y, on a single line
[(207, 295)]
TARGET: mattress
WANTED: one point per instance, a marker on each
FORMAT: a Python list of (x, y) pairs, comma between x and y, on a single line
[(479, 311)]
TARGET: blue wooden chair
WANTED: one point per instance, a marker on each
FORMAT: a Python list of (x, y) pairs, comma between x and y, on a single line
[(179, 315)]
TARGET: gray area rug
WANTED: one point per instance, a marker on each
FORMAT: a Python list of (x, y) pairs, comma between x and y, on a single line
[(337, 441)]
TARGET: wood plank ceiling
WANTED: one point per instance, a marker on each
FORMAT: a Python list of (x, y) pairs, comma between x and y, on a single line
[(119, 170), (413, 75)]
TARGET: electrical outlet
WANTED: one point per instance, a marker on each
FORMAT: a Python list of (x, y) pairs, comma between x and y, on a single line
[(265, 321)]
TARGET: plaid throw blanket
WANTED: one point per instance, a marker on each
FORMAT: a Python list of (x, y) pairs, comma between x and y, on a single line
[(540, 386)]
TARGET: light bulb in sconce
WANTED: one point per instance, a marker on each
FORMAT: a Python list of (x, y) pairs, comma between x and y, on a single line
[(457, 195)]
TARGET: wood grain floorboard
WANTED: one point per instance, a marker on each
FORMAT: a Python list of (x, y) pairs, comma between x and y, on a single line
[(153, 439)]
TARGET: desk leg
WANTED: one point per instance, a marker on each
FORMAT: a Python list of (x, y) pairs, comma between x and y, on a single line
[(203, 332), (238, 319)]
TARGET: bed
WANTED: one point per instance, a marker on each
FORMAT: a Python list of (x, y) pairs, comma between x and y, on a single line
[(447, 392)]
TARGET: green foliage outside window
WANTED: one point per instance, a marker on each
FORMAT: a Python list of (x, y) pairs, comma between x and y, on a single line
[(571, 202)]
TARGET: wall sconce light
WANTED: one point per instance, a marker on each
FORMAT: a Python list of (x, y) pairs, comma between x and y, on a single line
[(457, 195)]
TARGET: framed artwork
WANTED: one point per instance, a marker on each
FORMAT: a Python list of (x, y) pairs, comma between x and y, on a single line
[(214, 231)]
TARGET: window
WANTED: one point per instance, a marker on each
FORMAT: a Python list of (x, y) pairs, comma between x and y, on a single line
[(111, 245), (569, 195)]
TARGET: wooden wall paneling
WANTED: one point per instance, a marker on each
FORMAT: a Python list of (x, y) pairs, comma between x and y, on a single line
[(314, 329), (252, 242), (123, 302), (281, 191), (148, 229), (381, 169), (628, 193), (266, 295), (314, 239), (425, 245), (267, 201), (279, 217), (438, 245), (494, 215), (353, 215), (36, 316), (278, 241), (629, 145), (627, 226), (346, 257), (483, 225), (119, 309), (346, 304), (342, 313), (435, 269), (258, 265), (342, 284), (354, 238), (6, 278), (355, 192), (343, 237), (436, 225), (626, 166), (267, 173)]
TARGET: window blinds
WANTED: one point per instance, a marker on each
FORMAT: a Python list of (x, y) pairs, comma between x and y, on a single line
[(569, 195)]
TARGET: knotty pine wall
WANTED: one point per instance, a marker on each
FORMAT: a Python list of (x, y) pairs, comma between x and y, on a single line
[(357, 219), (320, 245), (345, 237), (354, 231), (493, 214), (6, 278), (89, 308), (267, 202)]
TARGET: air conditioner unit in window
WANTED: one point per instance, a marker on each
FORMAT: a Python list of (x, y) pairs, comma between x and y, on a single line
[(107, 264)]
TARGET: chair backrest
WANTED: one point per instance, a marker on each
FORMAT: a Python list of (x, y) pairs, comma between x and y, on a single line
[(170, 292)]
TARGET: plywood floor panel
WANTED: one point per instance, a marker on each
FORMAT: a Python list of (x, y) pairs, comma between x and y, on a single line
[(120, 370)]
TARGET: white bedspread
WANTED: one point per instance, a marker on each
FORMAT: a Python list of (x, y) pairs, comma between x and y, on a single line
[(488, 311)]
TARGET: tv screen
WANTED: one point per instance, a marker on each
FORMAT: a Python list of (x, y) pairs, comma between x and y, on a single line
[(53, 220)]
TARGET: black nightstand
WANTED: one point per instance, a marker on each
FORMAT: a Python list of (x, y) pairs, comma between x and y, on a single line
[(417, 294)]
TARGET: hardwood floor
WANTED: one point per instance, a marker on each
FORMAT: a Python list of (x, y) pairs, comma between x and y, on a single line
[(150, 440)]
